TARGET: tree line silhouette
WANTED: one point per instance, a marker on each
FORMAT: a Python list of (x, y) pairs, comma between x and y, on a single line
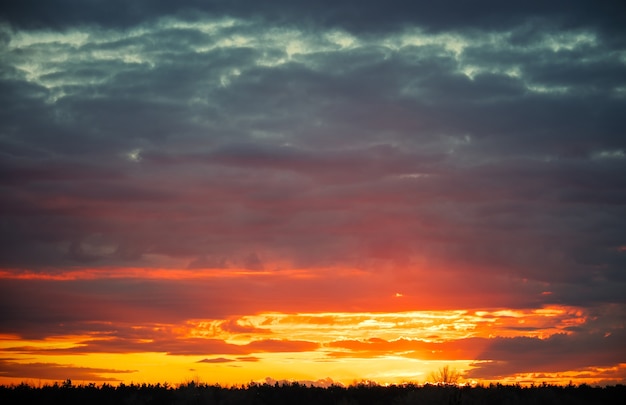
[(367, 393)]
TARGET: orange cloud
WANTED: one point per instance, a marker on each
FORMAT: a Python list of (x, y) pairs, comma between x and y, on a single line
[(275, 346)]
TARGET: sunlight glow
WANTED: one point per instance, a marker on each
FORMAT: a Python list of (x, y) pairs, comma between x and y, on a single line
[(385, 347)]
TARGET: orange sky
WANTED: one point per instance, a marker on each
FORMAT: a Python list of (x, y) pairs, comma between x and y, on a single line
[(287, 325)]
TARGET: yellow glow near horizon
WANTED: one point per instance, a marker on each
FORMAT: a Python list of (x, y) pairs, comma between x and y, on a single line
[(345, 347), (305, 366)]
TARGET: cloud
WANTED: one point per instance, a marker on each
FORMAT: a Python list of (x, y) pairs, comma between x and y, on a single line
[(409, 348), (175, 298), (558, 353), (248, 358), (172, 345), (219, 360), (252, 262), (53, 371), (282, 345), (236, 326), (216, 360), (357, 16), (381, 134)]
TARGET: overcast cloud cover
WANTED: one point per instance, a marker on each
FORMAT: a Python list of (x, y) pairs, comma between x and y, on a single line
[(475, 149)]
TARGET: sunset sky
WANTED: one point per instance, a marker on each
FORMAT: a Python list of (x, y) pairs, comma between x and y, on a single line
[(320, 191)]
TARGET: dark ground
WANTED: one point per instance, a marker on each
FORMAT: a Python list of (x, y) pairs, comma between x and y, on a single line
[(261, 394)]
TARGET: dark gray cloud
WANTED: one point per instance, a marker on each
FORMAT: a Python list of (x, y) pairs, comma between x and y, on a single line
[(482, 141), (353, 15), (604, 331), (558, 353)]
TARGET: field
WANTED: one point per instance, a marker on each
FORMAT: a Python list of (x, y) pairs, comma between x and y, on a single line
[(295, 393)]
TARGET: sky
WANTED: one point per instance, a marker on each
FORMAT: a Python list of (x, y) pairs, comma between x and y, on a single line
[(313, 191)]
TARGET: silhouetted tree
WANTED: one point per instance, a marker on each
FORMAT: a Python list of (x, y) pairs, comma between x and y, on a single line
[(445, 376), (365, 393)]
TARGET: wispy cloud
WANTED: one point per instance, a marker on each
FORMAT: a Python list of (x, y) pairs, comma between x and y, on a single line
[(52, 371)]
